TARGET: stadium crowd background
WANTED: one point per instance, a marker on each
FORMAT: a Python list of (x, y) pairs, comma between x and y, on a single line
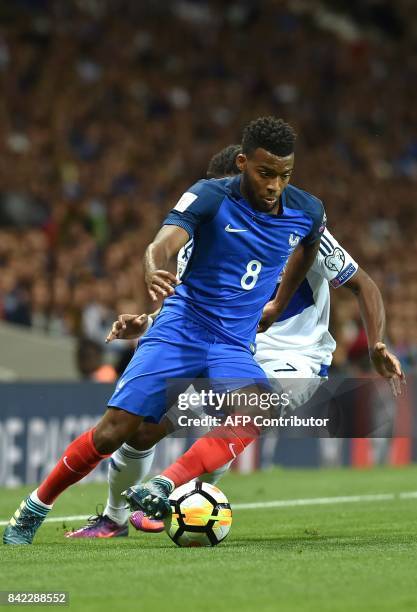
[(110, 109)]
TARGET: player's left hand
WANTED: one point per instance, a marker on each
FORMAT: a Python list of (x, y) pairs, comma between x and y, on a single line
[(388, 366), (269, 316)]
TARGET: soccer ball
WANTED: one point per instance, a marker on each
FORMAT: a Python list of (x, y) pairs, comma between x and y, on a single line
[(201, 515)]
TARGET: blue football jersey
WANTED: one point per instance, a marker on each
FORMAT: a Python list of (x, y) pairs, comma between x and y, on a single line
[(232, 266)]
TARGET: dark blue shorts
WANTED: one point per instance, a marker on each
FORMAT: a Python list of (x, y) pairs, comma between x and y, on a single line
[(179, 348)]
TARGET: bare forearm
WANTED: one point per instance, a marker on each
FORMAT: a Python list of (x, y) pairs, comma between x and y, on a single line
[(371, 306), (156, 258), (373, 317), (165, 246)]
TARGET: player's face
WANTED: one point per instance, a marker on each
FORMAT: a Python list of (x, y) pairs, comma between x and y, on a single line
[(264, 178)]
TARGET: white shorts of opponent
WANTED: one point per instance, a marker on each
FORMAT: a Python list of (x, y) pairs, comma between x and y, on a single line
[(295, 374)]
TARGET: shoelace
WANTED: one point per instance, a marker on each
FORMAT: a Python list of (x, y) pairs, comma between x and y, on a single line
[(92, 520)]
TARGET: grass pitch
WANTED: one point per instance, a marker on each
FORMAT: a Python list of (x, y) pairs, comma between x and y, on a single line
[(339, 556)]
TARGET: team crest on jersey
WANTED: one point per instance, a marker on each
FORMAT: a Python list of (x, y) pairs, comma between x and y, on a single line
[(336, 260), (293, 240)]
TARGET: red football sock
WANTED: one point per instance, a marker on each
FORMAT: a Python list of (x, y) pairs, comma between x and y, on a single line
[(78, 460), (209, 453)]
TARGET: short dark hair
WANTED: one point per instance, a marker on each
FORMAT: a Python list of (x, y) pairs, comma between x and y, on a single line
[(271, 134), (224, 162)]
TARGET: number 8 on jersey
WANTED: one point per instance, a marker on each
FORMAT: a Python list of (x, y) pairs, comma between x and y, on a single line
[(249, 279)]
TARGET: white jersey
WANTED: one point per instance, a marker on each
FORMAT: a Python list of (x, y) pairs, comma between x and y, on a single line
[(302, 331)]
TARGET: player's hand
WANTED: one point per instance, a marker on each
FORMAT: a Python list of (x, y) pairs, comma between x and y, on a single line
[(269, 316), (128, 327), (161, 283), (388, 366)]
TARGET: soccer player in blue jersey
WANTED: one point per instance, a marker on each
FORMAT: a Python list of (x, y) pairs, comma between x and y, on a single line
[(244, 229), (297, 350)]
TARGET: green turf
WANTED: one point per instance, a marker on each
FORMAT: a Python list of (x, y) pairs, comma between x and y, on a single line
[(345, 557)]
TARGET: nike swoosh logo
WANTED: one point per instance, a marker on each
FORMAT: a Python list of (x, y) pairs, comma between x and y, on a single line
[(69, 467), (231, 445), (232, 229)]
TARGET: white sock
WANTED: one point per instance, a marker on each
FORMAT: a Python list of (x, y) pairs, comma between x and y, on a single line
[(36, 505), (127, 467), (214, 477)]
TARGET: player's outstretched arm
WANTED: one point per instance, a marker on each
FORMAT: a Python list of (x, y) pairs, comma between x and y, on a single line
[(296, 269), (372, 312), (166, 245)]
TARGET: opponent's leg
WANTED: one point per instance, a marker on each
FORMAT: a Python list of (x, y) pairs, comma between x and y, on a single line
[(78, 460), (128, 466)]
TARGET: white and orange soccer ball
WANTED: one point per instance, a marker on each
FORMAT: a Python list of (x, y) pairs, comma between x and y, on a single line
[(201, 515)]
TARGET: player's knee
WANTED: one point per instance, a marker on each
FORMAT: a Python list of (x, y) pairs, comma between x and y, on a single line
[(147, 435), (106, 440), (143, 439)]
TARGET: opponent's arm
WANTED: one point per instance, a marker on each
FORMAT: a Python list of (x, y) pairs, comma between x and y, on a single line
[(131, 326), (296, 269), (166, 245), (372, 313), (371, 306)]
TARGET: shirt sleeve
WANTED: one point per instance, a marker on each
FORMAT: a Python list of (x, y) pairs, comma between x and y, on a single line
[(333, 262), (319, 224), (199, 204)]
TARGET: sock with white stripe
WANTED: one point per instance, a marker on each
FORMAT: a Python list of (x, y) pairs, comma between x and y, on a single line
[(127, 467), (36, 505)]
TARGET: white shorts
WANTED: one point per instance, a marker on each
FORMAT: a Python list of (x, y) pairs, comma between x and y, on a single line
[(294, 374)]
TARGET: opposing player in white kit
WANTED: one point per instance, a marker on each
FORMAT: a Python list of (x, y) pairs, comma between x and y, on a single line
[(297, 346)]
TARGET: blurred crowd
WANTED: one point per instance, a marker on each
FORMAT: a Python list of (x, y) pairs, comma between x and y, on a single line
[(111, 108)]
